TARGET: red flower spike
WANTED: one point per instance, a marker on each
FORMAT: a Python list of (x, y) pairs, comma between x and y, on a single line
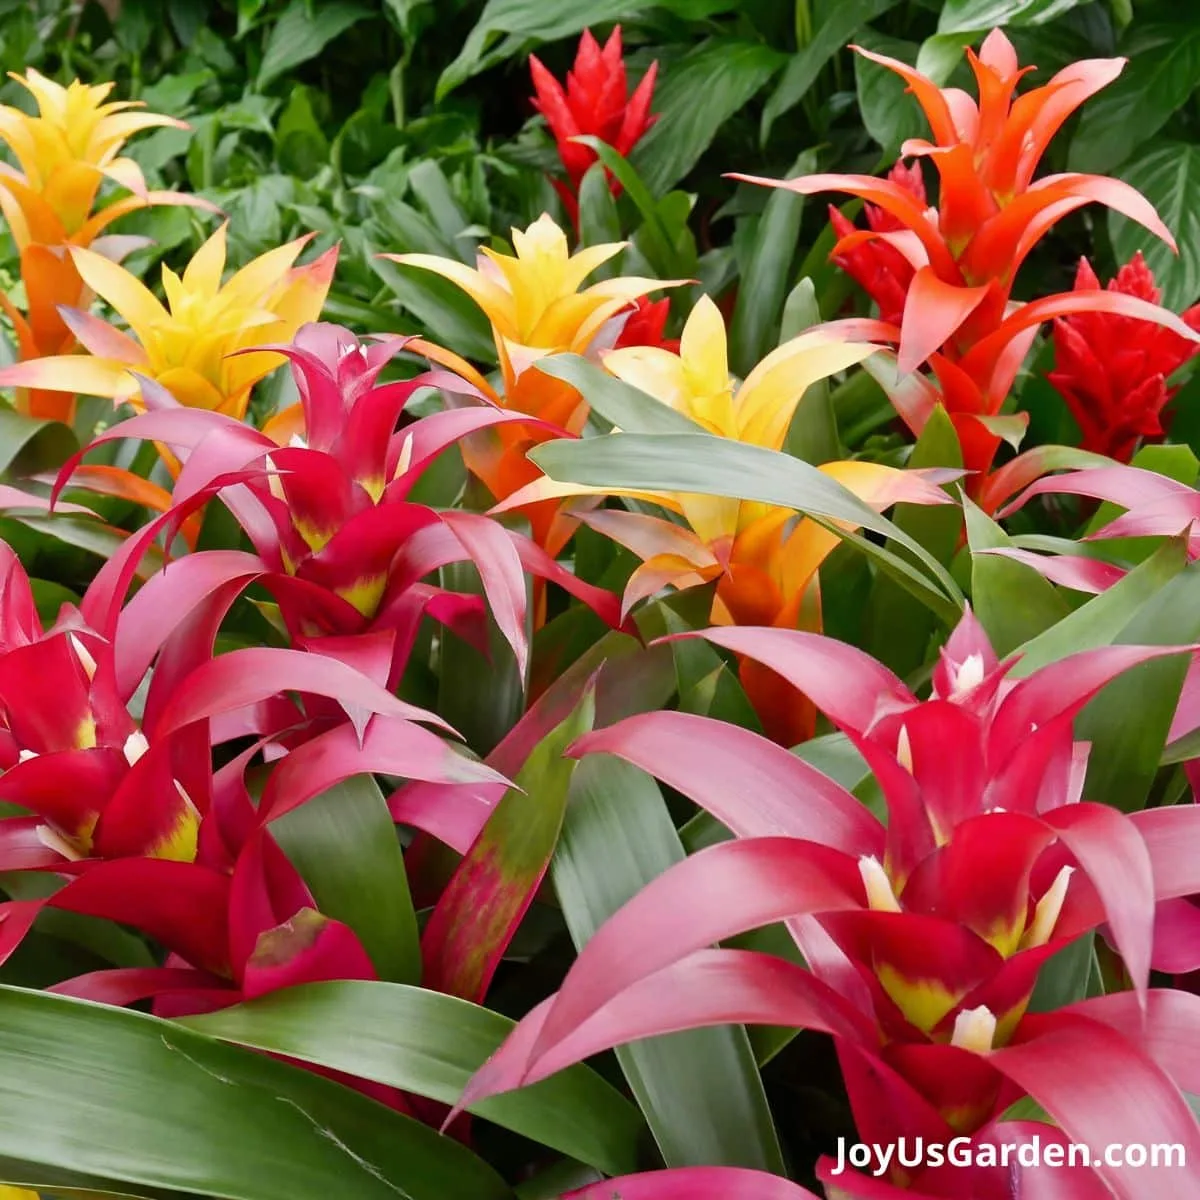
[(992, 864), (594, 102), (1112, 370)]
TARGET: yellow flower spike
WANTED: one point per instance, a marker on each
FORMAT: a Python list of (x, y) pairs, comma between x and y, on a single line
[(73, 144), (532, 298), (187, 344)]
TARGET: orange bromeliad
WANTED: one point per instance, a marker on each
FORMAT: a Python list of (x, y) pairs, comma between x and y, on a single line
[(64, 154), (764, 559), (957, 314)]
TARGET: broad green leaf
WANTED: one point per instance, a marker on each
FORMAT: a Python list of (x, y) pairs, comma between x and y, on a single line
[(431, 1044), (1168, 175), (1099, 622), (1126, 752), (813, 434), (127, 1099), (29, 445), (765, 277), (1064, 979), (1162, 72), (696, 96), (540, 20), (1012, 601), (599, 221), (660, 246), (900, 625), (344, 844), (889, 112), (443, 309), (492, 888), (486, 711), (301, 145), (716, 466), (700, 1090), (302, 32), (628, 408), (842, 22), (960, 15)]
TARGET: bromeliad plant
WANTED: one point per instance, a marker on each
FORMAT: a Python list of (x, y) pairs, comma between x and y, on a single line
[(923, 938), (762, 559), (942, 276), (269, 928), (65, 154), (534, 303)]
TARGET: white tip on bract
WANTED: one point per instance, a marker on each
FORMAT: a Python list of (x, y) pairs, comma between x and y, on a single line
[(135, 746), (974, 1029), (969, 674), (1049, 907), (880, 895), (26, 755), (85, 659), (53, 840), (904, 750)]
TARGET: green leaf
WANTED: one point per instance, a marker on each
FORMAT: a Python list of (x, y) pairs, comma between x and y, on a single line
[(599, 222), (1162, 72), (540, 20), (448, 314), (1168, 175), (627, 407), (1012, 601), (700, 1090), (813, 434), (492, 888), (961, 15), (1064, 979), (302, 32), (29, 445), (696, 97), (889, 112), (122, 1098), (661, 246), (301, 145), (900, 625), (344, 844), (842, 22), (431, 1044), (1099, 622), (714, 466), (1126, 753), (765, 276)]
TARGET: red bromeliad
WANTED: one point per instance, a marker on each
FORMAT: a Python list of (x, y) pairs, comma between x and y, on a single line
[(322, 494), (1112, 370), (595, 101), (957, 313), (126, 809), (923, 938)]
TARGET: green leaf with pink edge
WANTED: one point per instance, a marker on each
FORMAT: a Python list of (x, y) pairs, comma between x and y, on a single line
[(477, 915)]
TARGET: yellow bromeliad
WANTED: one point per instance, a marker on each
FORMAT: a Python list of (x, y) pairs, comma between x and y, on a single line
[(189, 346), (534, 302), (64, 154), (764, 559)]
